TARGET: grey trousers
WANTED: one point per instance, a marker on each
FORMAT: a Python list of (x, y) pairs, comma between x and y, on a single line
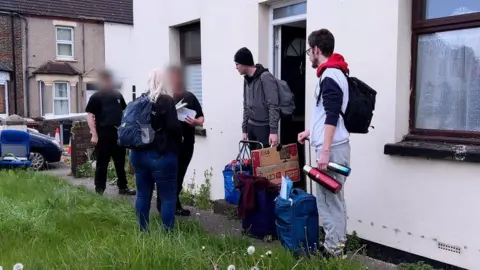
[(331, 207)]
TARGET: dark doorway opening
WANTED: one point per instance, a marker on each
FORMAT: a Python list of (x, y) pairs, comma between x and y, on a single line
[(292, 70)]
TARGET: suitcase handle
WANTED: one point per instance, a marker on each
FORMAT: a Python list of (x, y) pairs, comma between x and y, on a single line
[(246, 142), (309, 160)]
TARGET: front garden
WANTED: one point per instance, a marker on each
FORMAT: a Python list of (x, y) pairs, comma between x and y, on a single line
[(46, 223)]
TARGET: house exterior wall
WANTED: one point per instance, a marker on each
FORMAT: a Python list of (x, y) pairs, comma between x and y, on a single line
[(6, 57), (119, 55), (405, 203), (89, 53)]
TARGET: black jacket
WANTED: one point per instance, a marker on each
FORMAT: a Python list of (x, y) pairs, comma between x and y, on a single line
[(169, 136)]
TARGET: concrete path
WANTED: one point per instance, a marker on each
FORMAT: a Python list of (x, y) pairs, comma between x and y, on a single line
[(213, 223)]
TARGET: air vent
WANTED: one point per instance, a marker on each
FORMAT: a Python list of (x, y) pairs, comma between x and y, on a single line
[(449, 248)]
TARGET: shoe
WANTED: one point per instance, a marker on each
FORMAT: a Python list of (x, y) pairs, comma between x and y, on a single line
[(182, 212), (126, 191)]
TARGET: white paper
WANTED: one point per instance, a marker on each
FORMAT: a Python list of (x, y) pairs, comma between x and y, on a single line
[(183, 113), (283, 188), (180, 105)]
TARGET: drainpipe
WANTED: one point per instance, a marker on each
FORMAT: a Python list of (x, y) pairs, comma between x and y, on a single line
[(14, 64), (27, 71), (82, 85)]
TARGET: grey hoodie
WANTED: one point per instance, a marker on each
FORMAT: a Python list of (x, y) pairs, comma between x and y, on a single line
[(260, 100)]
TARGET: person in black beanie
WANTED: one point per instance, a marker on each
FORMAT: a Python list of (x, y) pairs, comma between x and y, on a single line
[(261, 112)]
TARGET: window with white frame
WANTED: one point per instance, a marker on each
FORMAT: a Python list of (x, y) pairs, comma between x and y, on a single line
[(190, 54), (61, 98), (64, 42)]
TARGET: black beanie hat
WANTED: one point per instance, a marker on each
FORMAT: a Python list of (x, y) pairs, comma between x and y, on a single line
[(244, 57)]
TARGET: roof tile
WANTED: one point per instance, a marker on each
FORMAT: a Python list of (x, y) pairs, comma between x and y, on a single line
[(57, 68), (115, 11)]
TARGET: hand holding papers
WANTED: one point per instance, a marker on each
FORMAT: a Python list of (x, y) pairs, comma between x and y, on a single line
[(183, 112)]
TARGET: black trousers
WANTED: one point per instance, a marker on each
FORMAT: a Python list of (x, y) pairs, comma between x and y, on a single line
[(185, 155), (106, 149), (260, 134)]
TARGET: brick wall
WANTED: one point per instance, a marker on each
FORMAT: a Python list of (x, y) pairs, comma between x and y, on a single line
[(47, 127), (6, 57), (80, 145)]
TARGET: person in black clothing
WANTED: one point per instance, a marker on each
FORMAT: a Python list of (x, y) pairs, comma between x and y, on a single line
[(175, 77), (157, 164), (105, 111)]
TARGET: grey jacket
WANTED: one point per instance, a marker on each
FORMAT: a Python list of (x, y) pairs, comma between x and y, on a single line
[(260, 100)]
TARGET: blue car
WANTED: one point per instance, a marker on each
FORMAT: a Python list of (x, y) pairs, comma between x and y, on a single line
[(44, 150)]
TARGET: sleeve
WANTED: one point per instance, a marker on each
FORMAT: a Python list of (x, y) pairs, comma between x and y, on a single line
[(270, 89), (245, 115), (332, 96), (172, 125), (122, 102), (197, 107), (92, 105)]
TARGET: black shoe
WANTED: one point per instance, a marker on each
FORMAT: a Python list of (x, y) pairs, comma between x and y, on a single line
[(182, 212), (126, 191)]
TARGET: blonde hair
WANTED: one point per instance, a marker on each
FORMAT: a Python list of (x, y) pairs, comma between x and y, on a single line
[(158, 84)]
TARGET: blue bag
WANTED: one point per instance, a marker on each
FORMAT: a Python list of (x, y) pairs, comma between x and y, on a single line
[(232, 194), (297, 222), (136, 129)]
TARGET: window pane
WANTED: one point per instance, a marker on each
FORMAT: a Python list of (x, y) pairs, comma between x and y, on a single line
[(65, 50), (64, 34), (92, 87), (191, 44), (61, 90), (291, 10), (448, 81), (447, 8), (61, 107), (193, 78)]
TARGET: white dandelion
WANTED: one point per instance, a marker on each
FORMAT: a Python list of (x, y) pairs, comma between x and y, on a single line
[(18, 266), (231, 267), (250, 250), (203, 248), (269, 253)]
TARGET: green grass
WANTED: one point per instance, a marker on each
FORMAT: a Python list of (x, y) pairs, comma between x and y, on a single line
[(45, 223)]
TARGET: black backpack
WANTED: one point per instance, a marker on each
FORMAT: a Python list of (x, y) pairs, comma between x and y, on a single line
[(360, 107)]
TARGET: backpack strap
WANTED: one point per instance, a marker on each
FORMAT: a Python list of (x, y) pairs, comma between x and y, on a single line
[(321, 91)]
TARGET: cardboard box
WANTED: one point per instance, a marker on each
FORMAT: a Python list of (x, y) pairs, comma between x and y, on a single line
[(275, 172), (270, 156)]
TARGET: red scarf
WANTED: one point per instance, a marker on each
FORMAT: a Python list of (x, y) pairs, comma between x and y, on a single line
[(334, 61)]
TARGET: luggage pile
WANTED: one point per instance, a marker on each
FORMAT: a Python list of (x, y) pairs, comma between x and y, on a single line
[(252, 182)]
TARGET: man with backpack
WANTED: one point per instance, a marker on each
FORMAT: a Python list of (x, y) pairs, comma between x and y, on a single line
[(328, 134), (261, 112), (105, 110)]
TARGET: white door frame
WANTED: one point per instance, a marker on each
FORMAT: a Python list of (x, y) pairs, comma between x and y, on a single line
[(275, 34), (4, 78)]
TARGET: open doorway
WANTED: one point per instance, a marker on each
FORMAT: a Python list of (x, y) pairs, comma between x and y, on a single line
[(290, 61)]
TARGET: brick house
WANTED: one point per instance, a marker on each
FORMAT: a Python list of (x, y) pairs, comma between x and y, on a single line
[(50, 53)]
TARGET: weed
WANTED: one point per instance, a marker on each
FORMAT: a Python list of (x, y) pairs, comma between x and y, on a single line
[(199, 198), (415, 266)]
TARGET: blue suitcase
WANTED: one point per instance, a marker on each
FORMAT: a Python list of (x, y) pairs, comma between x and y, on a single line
[(297, 222)]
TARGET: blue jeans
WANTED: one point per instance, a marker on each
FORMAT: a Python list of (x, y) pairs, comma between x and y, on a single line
[(152, 168)]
